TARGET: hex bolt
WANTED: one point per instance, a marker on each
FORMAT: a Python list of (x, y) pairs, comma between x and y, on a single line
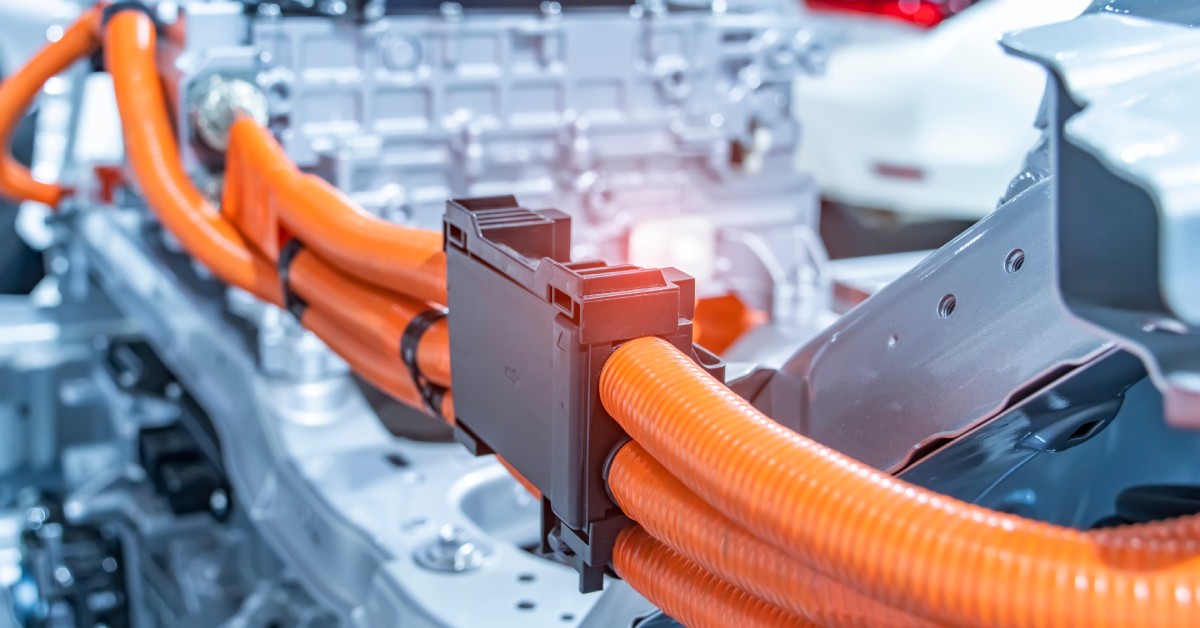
[(218, 101), (453, 551), (218, 503)]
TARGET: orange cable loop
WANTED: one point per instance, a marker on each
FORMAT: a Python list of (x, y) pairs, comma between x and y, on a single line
[(17, 94), (670, 512), (915, 550)]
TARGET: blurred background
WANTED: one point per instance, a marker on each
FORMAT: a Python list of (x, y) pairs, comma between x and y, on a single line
[(920, 120)]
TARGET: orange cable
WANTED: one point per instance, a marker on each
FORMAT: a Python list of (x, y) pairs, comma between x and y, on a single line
[(150, 144), (688, 593), (382, 372), (263, 199), (17, 94), (915, 550), (670, 512)]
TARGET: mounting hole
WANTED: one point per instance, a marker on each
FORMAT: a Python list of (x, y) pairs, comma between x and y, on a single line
[(279, 91), (567, 617), (526, 605), (396, 460), (947, 306), (1083, 431), (1014, 261), (526, 577)]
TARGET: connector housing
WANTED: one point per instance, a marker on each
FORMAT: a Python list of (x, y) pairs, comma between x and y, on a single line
[(530, 332)]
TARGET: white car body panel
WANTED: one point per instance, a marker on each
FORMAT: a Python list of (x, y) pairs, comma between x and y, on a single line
[(946, 102)]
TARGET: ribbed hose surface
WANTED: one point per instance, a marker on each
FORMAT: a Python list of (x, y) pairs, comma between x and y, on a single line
[(672, 513), (912, 549), (688, 593), (17, 94), (401, 259)]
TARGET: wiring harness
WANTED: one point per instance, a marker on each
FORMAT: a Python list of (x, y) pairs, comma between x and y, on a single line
[(740, 521)]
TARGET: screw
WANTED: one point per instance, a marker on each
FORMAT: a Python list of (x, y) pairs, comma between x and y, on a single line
[(218, 503), (452, 551), (63, 576)]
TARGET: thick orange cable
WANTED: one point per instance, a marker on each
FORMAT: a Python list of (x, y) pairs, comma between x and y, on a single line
[(264, 191), (915, 550), (382, 372), (17, 94), (378, 318), (688, 593), (208, 236), (153, 154), (670, 512)]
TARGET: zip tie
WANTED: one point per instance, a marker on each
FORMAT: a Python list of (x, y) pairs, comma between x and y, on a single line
[(431, 393), (287, 255), (111, 11)]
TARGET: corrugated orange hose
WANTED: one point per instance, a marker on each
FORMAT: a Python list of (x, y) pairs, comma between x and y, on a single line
[(915, 550), (687, 592), (670, 512), (17, 94), (153, 154), (261, 199)]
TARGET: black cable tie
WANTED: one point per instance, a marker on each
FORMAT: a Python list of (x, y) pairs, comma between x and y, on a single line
[(291, 301), (432, 394), (111, 11)]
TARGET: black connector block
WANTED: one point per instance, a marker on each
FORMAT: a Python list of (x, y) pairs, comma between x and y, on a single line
[(530, 332)]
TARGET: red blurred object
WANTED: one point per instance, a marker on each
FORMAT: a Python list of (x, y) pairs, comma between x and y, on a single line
[(720, 321), (110, 178), (924, 13)]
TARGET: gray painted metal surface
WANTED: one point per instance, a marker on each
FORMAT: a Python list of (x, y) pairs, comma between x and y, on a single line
[(1127, 153), (618, 117), (315, 470), (944, 347)]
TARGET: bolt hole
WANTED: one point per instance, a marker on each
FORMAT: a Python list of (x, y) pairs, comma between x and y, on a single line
[(396, 460), (526, 605), (279, 91), (567, 617), (947, 306), (526, 577), (1083, 431), (1014, 261)]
